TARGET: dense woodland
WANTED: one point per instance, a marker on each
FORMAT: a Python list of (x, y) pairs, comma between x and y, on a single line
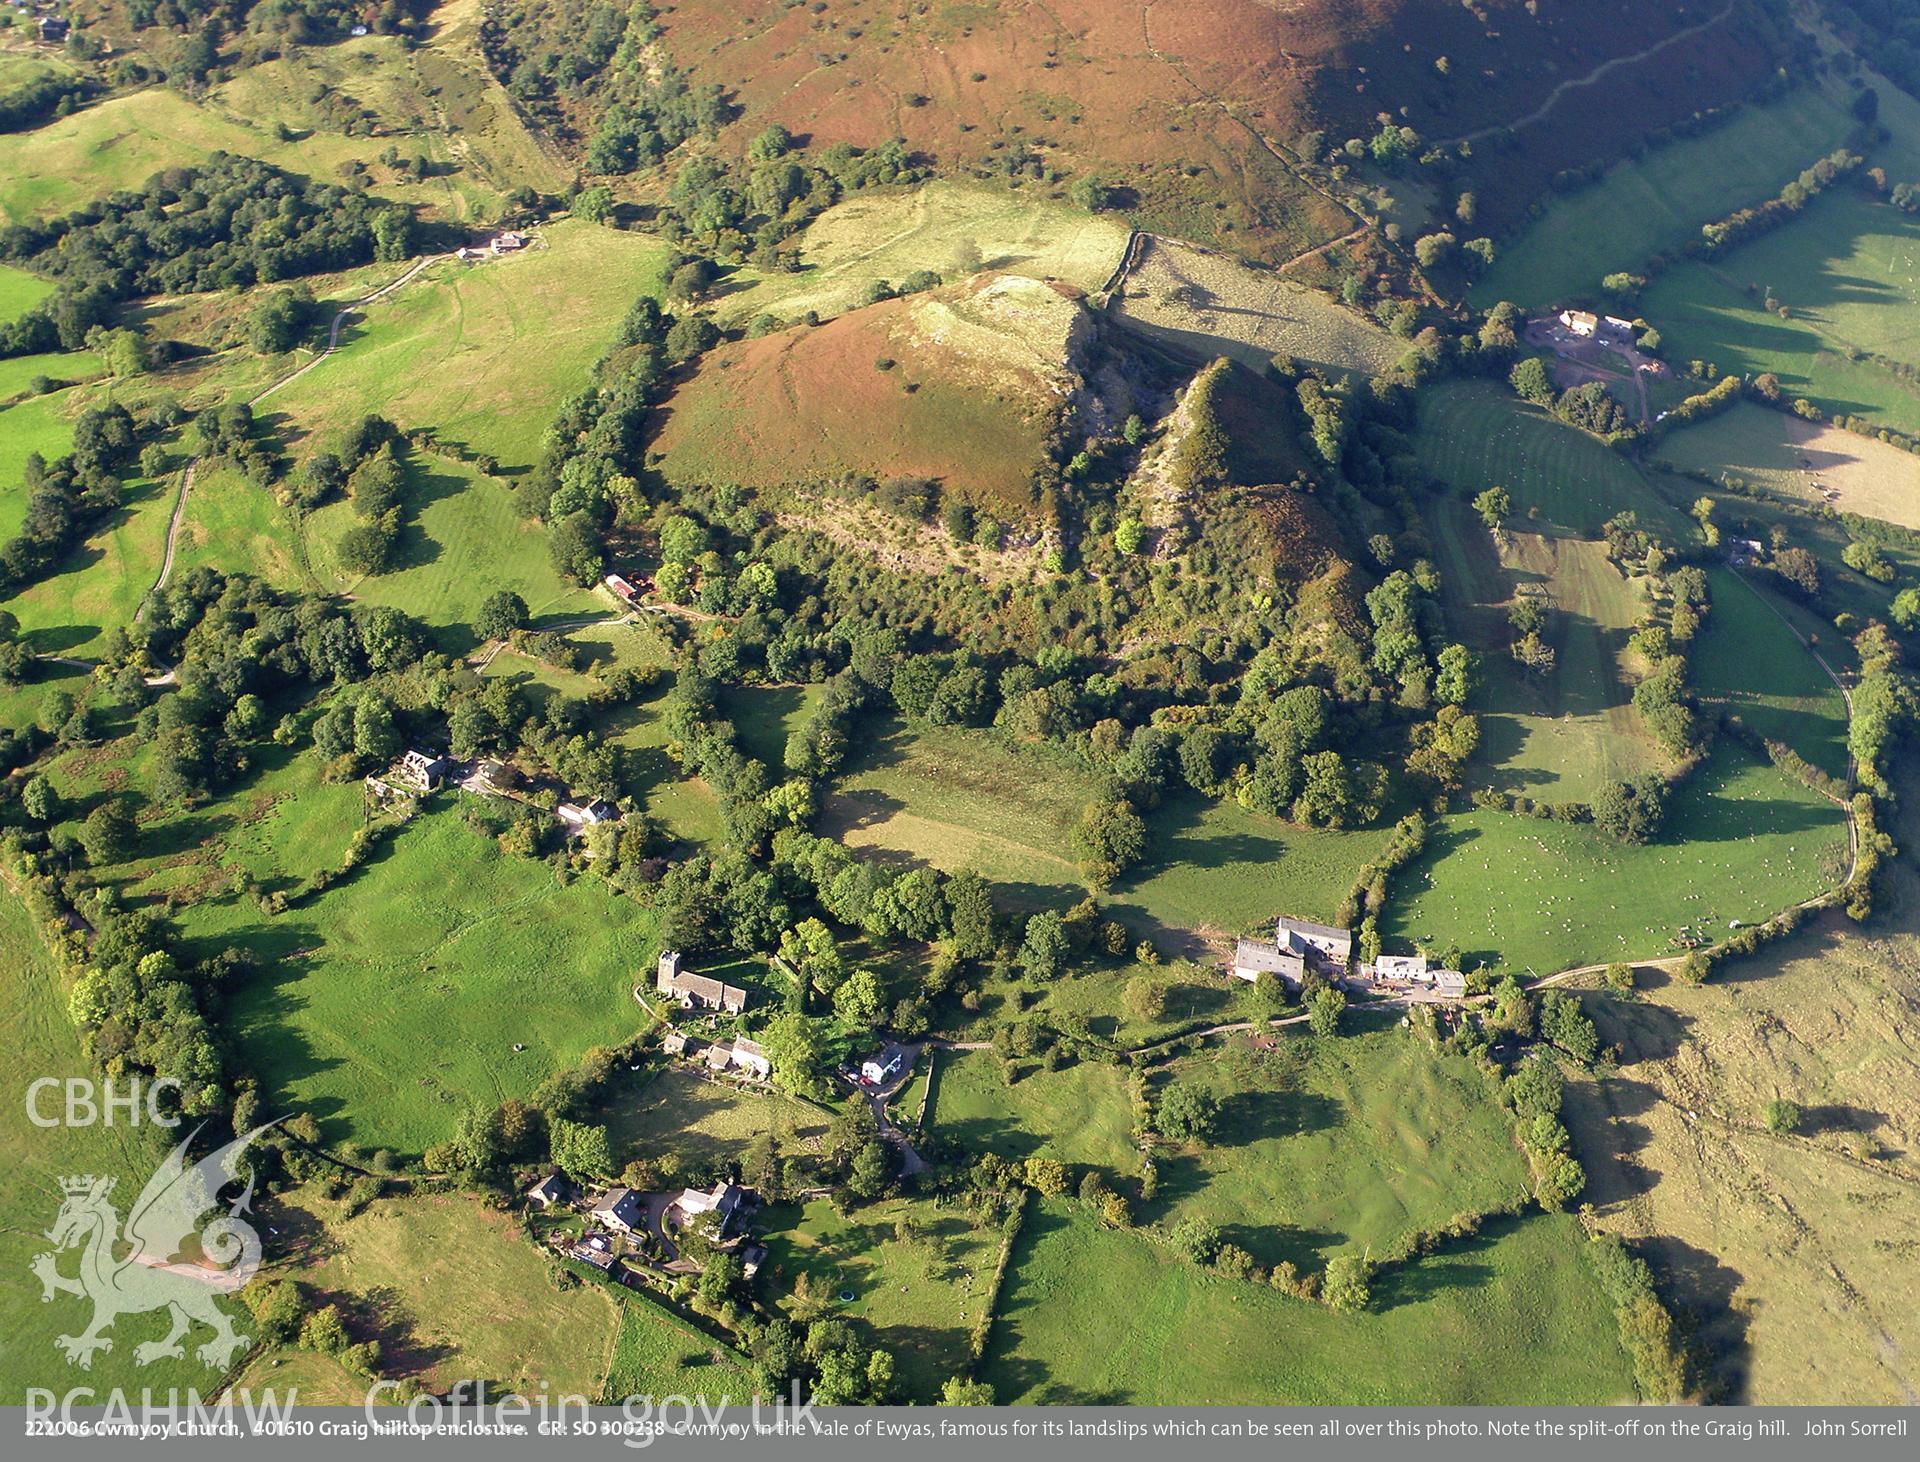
[(226, 224)]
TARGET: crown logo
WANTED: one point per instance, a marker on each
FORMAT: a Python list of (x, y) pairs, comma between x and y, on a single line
[(80, 1185)]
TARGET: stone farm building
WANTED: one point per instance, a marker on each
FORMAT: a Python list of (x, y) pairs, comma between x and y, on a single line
[(423, 771), (1413, 969), (740, 1054), (581, 815), (883, 1065), (1321, 943), (1400, 967), (1580, 322), (1253, 958), (696, 992)]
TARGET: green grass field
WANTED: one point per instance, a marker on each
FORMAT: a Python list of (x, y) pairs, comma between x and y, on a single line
[(1195, 991), (1214, 868), (1660, 202), (960, 799), (314, 1379), (394, 1000), (1338, 1146), (124, 140), (1089, 1316), (63, 368), (1554, 737), (1849, 267), (1748, 661), (658, 1354), (916, 1292), (706, 1124), (483, 353), (20, 292), (102, 582), (451, 1290), (41, 1042), (1080, 1114), (1475, 434), (462, 541), (965, 799), (1789, 456), (1848, 271), (34, 425), (231, 525), (1742, 842)]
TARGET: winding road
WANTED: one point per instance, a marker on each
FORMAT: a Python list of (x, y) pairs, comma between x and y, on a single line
[(1604, 69)]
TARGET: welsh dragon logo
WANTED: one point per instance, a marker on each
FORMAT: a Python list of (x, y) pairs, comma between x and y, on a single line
[(143, 1269)]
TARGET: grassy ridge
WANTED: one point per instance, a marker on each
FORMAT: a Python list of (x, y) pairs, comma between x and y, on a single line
[(954, 229)]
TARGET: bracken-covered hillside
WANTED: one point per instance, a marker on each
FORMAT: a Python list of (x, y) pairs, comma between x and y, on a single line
[(1215, 117)]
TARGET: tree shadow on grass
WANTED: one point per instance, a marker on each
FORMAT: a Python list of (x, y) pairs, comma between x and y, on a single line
[(1258, 1116), (1701, 1290), (1458, 1266), (1284, 1243), (381, 1315)]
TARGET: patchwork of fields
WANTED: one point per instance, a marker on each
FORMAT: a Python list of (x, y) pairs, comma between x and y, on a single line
[(1658, 203), (443, 975), (1556, 737), (1795, 458)]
